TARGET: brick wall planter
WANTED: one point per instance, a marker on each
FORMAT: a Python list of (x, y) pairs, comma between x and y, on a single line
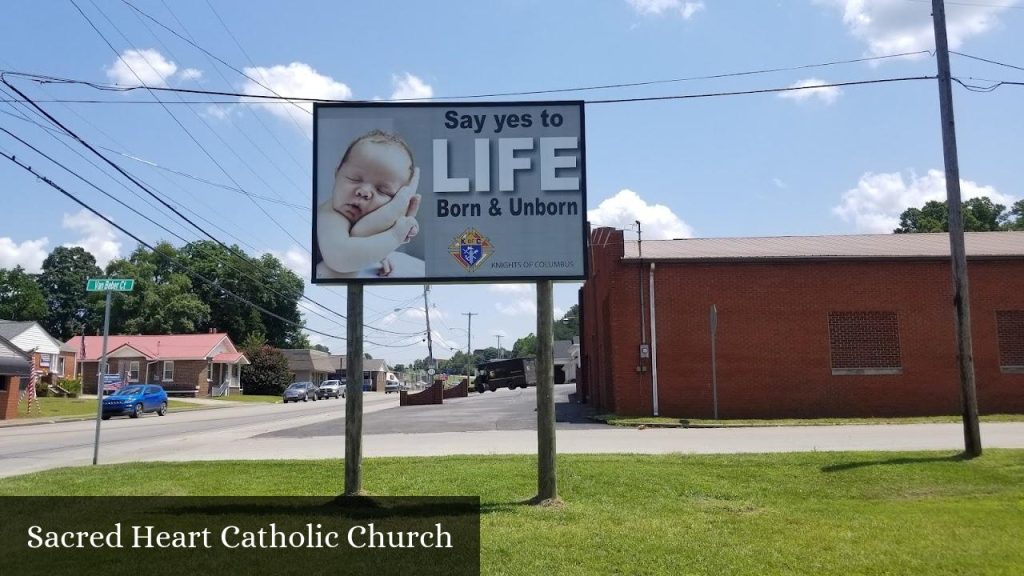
[(432, 395)]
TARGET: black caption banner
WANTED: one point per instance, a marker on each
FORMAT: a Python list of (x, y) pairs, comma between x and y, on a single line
[(141, 535)]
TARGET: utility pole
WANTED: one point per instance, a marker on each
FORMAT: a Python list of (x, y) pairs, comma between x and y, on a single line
[(961, 295), (498, 336), (430, 342), (469, 331)]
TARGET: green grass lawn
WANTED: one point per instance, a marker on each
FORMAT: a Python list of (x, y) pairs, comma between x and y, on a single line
[(51, 407), (633, 421), (923, 513), (254, 398)]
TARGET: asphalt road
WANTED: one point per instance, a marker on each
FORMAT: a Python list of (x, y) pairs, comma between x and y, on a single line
[(499, 410)]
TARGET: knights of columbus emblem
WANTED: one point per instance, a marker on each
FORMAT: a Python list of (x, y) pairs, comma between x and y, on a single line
[(471, 248)]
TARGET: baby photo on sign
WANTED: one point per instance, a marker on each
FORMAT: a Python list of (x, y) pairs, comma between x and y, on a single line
[(371, 212)]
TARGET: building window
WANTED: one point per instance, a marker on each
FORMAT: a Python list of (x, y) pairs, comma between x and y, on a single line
[(3, 383), (133, 371), (864, 343), (1010, 333), (168, 371), (209, 370), (60, 365)]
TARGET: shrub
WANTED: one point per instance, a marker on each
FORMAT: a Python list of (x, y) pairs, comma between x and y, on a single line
[(72, 385), (267, 373)]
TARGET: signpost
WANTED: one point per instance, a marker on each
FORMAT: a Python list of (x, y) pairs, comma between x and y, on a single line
[(467, 192), (108, 285)]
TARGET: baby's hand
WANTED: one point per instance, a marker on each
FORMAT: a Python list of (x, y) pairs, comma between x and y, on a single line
[(404, 229), (386, 268)]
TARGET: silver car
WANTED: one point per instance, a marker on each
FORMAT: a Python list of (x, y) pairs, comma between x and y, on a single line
[(331, 389), (304, 391)]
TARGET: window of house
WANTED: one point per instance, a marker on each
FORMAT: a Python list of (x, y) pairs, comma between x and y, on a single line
[(1010, 333), (209, 370), (60, 365), (3, 383), (864, 343), (168, 371), (133, 371)]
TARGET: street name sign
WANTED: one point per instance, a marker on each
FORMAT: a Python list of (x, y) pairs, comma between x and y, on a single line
[(109, 284)]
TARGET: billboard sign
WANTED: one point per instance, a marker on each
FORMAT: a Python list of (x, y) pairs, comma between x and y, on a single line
[(446, 192)]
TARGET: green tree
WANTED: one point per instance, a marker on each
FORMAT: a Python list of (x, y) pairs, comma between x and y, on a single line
[(321, 348), (525, 346), (162, 301), (62, 282), (1015, 217), (979, 215), (267, 373), (20, 296), (399, 368), (263, 281), (568, 327)]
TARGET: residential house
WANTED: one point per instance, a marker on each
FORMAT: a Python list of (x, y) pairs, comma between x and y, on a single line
[(15, 367), (47, 356), (184, 364), (310, 365)]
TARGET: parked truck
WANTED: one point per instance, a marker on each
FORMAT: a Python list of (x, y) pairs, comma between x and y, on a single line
[(508, 373)]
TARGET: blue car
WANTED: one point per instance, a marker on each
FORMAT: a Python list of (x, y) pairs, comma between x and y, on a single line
[(134, 400)]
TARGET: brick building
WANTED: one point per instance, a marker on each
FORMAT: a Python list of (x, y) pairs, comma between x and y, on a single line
[(805, 326)]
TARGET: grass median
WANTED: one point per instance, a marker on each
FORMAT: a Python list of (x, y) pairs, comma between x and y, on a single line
[(51, 407), (808, 513)]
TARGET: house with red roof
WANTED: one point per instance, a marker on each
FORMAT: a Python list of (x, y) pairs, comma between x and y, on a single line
[(184, 364)]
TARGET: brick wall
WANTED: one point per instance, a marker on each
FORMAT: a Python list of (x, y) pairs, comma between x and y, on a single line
[(774, 349)]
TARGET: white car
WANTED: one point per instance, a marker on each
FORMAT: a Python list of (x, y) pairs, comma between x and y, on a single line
[(331, 389)]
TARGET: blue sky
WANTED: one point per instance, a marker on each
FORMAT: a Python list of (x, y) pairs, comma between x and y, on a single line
[(824, 161)]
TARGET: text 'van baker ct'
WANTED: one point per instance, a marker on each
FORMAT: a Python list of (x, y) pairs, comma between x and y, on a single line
[(312, 536)]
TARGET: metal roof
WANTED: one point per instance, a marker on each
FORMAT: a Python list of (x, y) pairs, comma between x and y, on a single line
[(870, 246)]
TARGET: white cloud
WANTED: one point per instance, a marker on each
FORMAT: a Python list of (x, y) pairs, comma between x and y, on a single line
[(190, 74), (517, 307), (295, 259), (216, 112), (409, 87), (511, 288), (827, 94), (149, 65), (29, 254), (878, 200), (297, 80), (98, 237), (779, 183), (657, 221), (658, 7), (895, 26)]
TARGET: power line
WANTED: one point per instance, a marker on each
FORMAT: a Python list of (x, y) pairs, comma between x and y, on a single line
[(292, 99), (178, 122), (142, 242), (996, 62), (151, 193), (760, 91), (179, 214), (257, 117), (243, 133), (214, 56)]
